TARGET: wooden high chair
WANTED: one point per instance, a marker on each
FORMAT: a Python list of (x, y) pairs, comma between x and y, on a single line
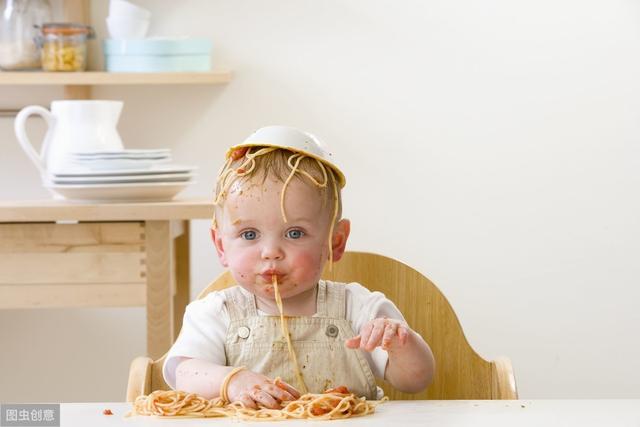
[(460, 372)]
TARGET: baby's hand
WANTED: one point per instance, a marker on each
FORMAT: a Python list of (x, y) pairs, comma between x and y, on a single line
[(381, 332), (255, 390)]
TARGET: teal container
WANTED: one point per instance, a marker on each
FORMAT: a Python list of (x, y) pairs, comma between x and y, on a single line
[(157, 55)]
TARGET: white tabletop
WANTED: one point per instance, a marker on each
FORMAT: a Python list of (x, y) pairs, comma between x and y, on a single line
[(434, 413)]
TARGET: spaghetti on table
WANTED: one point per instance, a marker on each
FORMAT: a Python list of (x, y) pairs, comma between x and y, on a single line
[(337, 403), (333, 404)]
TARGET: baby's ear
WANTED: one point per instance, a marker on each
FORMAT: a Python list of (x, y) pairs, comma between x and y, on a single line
[(217, 242), (339, 240)]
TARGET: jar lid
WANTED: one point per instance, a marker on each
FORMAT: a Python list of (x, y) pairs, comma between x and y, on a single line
[(67, 29)]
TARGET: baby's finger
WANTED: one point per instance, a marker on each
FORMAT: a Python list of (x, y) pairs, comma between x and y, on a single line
[(353, 342), (389, 334), (278, 393), (288, 388), (403, 334), (376, 334), (264, 399), (247, 401), (365, 332)]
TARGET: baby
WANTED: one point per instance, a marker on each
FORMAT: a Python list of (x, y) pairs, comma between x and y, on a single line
[(277, 221)]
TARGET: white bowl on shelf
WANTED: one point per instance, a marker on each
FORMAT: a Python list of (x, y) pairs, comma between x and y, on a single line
[(126, 8), (127, 27)]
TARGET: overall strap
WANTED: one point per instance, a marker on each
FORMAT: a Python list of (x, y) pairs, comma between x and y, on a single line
[(335, 300), (239, 305), (321, 299)]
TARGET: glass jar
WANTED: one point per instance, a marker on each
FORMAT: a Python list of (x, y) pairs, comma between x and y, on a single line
[(64, 46), (18, 30)]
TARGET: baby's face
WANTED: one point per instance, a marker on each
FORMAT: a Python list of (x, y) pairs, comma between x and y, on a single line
[(257, 244)]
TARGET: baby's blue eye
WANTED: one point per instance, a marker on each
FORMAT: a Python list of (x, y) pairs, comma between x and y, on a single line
[(295, 234), (249, 235)]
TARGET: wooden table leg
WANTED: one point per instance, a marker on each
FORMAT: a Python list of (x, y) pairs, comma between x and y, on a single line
[(183, 278), (160, 317)]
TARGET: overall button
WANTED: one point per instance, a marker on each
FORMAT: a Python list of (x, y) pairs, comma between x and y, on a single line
[(243, 332), (332, 331)]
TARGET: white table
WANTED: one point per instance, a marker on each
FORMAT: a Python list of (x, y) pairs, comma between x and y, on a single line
[(435, 413)]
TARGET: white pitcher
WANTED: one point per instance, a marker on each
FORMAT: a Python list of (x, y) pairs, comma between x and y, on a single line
[(73, 125)]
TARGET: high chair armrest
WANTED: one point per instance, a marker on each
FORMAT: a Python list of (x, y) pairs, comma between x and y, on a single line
[(503, 382), (139, 378)]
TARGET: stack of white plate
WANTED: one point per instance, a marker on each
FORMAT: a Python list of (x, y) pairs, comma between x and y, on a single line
[(123, 159), (126, 175)]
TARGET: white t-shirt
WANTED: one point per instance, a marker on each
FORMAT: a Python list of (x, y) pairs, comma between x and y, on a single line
[(205, 324)]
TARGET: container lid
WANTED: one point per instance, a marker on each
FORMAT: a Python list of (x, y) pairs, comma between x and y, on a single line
[(158, 46), (67, 29)]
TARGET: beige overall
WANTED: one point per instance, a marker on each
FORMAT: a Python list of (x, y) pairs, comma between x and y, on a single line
[(256, 342)]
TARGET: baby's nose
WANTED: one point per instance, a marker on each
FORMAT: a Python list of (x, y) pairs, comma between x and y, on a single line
[(272, 252)]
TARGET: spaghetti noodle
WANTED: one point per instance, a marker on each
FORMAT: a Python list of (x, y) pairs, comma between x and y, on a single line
[(332, 404), (287, 337)]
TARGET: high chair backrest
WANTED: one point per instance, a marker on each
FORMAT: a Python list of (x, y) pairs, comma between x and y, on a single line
[(460, 372)]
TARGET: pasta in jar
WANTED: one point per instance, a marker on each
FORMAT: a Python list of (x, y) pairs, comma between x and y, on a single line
[(64, 46)]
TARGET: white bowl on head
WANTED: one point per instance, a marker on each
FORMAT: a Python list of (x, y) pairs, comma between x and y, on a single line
[(295, 140), (126, 8), (121, 27)]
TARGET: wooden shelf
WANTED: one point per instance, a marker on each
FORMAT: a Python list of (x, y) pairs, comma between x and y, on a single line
[(77, 85), (100, 78), (61, 210)]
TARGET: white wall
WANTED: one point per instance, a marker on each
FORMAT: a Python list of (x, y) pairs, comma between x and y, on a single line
[(493, 145)]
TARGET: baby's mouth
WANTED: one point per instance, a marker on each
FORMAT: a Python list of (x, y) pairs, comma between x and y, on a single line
[(269, 277)]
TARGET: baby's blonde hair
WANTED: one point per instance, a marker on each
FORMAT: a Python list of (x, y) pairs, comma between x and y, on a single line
[(259, 163)]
